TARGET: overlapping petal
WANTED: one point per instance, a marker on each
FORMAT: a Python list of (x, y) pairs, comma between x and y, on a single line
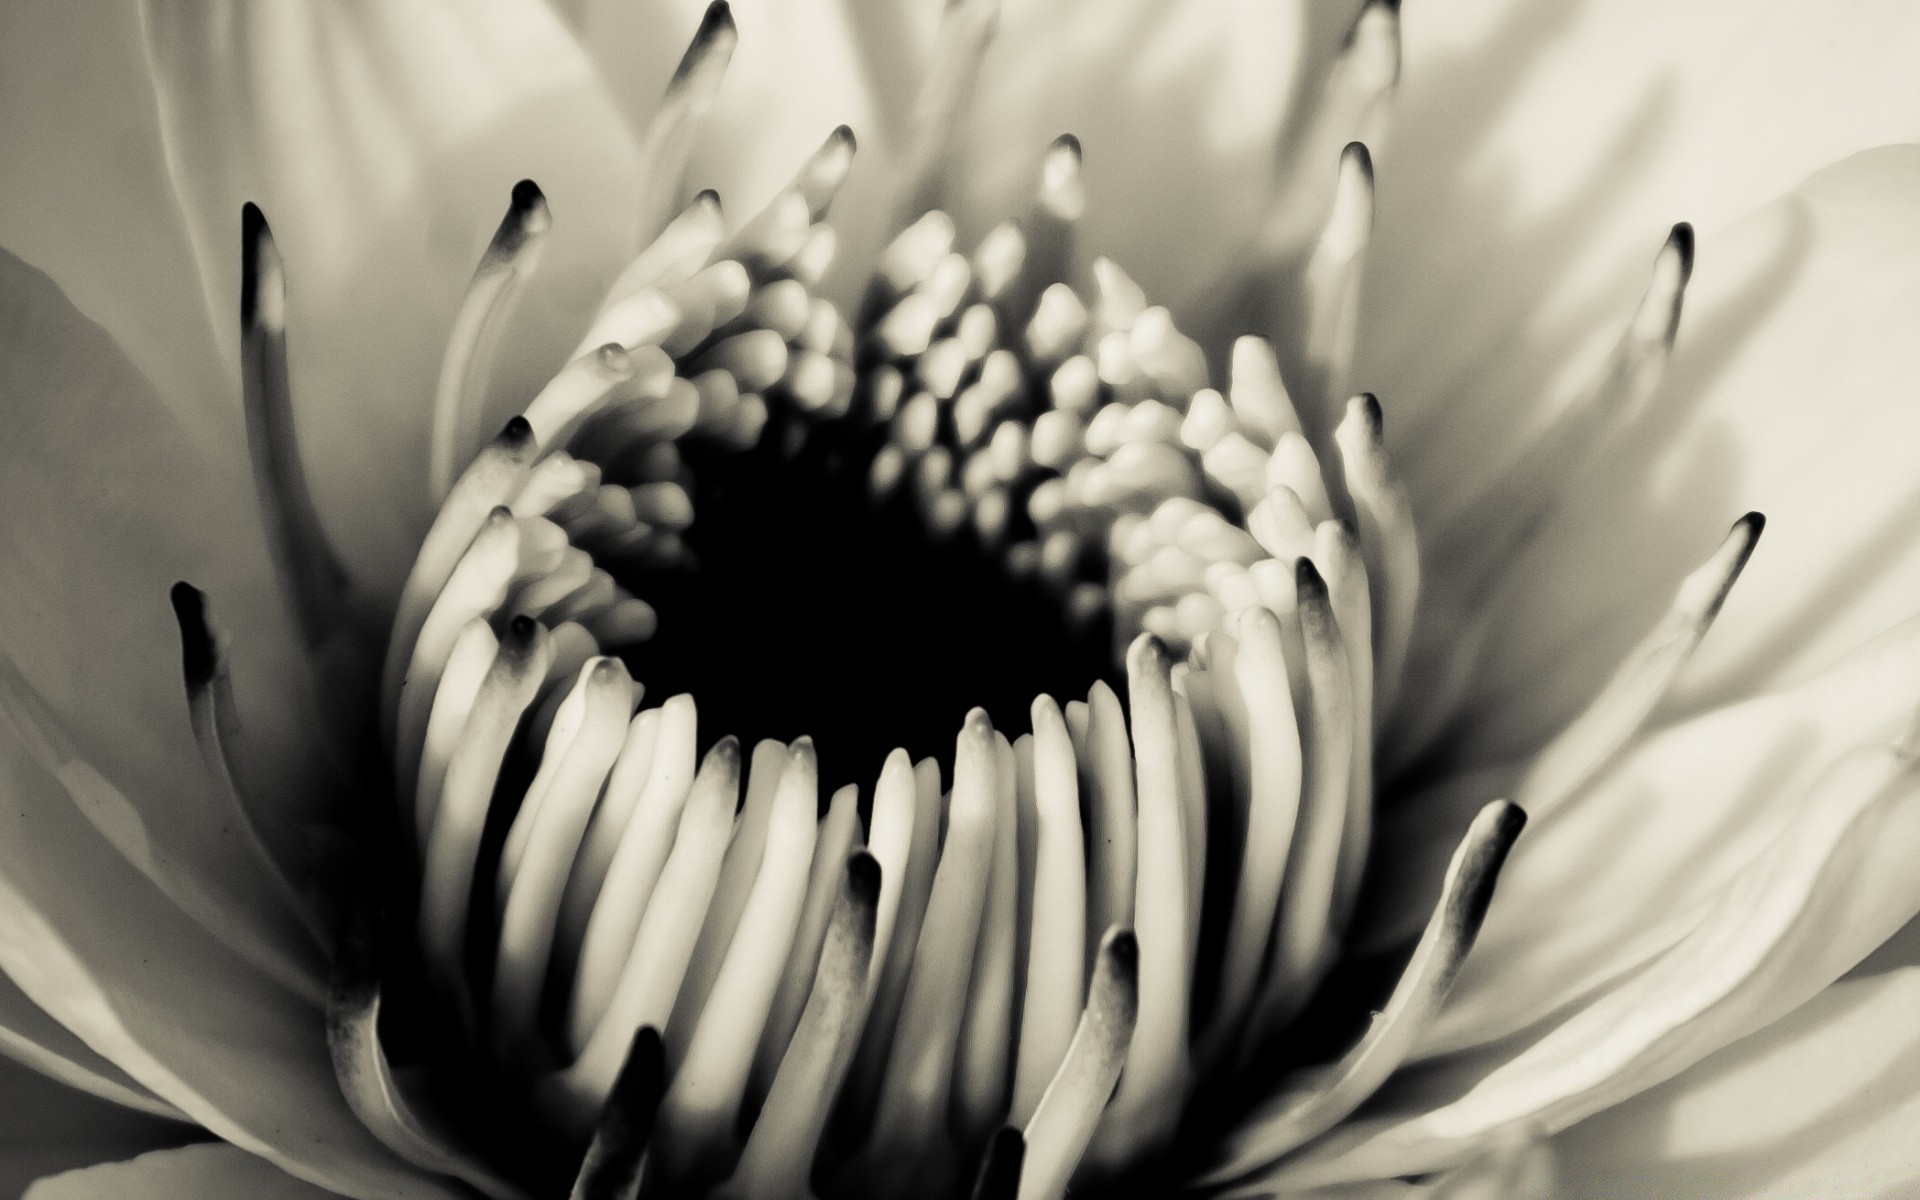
[(1540, 153), (32, 1038), (1822, 1103), (1828, 889), (50, 1127), (1677, 818), (88, 198), (383, 141), (1789, 392), (187, 1173), (96, 946), (109, 500)]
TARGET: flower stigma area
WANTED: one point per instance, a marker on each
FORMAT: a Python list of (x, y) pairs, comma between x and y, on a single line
[(928, 750)]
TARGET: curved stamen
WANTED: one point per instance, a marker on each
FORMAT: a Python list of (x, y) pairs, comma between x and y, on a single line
[(1319, 1100), (778, 1158), (465, 368), (702, 1108), (1064, 1123), (669, 140), (1587, 743), (211, 711), (315, 582), (616, 1158)]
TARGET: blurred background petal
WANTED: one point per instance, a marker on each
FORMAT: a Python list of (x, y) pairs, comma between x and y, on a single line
[(50, 1127), (382, 141), (88, 198), (109, 500), (188, 1173), (1822, 1103), (102, 951), (1541, 151), (1790, 391)]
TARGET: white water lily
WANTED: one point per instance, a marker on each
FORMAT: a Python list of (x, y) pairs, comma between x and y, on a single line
[(253, 917)]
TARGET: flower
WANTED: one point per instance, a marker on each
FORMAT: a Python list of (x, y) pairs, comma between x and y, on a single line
[(255, 914)]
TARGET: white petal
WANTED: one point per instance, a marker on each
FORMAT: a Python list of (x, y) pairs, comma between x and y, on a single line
[(1788, 393), (1832, 886), (1822, 1103), (189, 1173), (109, 501), (1597, 888), (88, 199), (382, 141), (32, 1038), (51, 1127), (1179, 110), (96, 946), (1540, 154), (796, 75)]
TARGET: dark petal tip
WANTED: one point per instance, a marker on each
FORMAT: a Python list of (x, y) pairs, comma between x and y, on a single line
[(517, 432), (1000, 1170), (1307, 580), (863, 876), (527, 196), (1681, 239), (199, 649), (255, 237)]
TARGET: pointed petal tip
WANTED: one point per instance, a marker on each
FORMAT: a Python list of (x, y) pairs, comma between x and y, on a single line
[(1368, 406), (717, 19), (1680, 241), (521, 632), (725, 755), (199, 649), (1067, 143), (1000, 1167), (863, 877), (527, 196), (516, 434), (1307, 578), (259, 262)]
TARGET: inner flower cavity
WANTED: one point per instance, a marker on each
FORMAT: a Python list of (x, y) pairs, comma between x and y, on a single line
[(926, 753), (994, 482)]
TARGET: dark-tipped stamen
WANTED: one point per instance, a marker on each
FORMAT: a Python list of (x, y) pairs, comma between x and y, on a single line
[(213, 713), (1063, 1124), (1387, 539), (778, 1157), (999, 1177), (466, 367), (367, 1079), (1509, 514), (670, 137), (1315, 1103), (316, 584), (616, 1158), (1590, 741), (945, 96)]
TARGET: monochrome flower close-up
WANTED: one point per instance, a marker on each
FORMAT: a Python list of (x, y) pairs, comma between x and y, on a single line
[(887, 598)]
